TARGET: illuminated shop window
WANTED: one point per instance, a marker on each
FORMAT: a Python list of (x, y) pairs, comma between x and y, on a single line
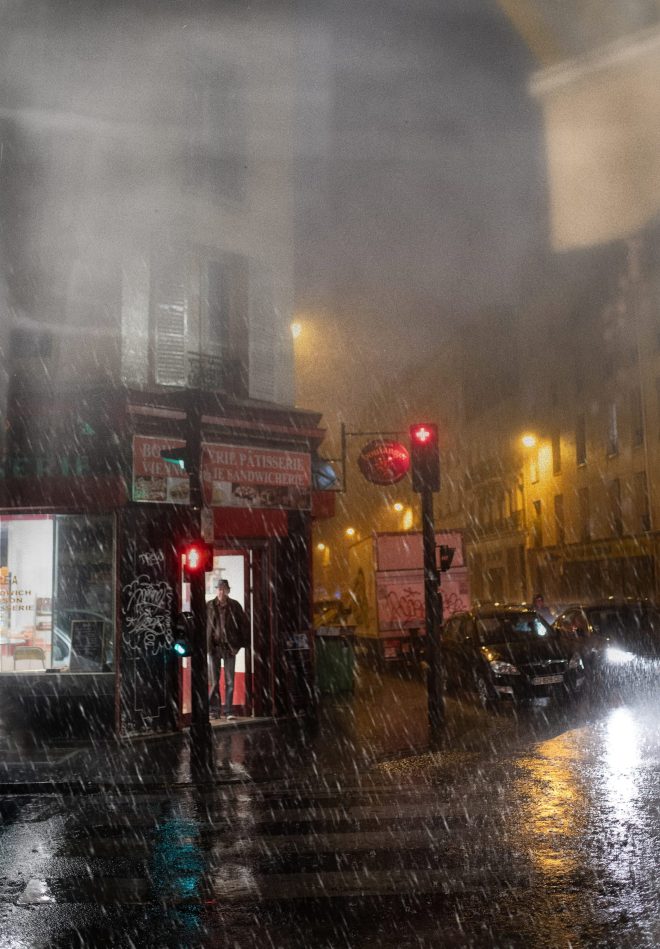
[(56, 594)]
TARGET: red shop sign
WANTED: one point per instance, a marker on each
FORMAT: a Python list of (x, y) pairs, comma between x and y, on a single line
[(384, 462)]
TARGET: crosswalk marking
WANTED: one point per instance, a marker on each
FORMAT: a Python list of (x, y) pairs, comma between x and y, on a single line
[(272, 847)]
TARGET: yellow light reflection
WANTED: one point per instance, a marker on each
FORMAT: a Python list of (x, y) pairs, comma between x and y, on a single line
[(551, 793)]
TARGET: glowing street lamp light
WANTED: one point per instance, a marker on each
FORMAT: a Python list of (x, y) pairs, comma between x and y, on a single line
[(350, 532), (398, 507), (529, 440), (296, 330)]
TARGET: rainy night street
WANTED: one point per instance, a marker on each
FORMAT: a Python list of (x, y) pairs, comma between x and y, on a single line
[(329, 474), (530, 828)]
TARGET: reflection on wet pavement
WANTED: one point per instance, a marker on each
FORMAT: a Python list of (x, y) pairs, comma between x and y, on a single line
[(522, 827)]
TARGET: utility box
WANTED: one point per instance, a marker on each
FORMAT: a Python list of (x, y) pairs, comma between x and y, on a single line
[(335, 659)]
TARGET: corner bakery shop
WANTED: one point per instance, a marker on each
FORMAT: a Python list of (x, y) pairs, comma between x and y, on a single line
[(92, 522)]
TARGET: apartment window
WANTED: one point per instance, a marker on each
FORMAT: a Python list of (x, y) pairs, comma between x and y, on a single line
[(612, 429), (556, 452), (27, 344), (225, 332), (581, 441), (614, 495), (636, 417), (584, 514), (218, 134), (534, 467), (641, 501), (537, 526), (560, 530)]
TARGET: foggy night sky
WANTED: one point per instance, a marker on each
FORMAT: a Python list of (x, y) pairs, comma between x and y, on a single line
[(418, 156), (420, 180)]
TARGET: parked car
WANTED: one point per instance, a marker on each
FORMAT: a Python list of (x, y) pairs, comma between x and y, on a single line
[(510, 652), (613, 636)]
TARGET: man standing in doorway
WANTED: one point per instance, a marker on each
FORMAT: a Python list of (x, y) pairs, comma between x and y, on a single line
[(227, 631)]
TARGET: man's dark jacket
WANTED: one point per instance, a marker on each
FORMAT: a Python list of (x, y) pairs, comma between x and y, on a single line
[(237, 627)]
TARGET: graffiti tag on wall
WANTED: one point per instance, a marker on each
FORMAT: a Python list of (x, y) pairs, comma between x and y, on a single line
[(147, 627)]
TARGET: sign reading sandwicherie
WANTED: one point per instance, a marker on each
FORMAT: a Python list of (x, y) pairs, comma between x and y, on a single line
[(248, 476)]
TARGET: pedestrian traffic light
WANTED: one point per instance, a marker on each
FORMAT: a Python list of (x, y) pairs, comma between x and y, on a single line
[(196, 558), (446, 557), (185, 631), (425, 457)]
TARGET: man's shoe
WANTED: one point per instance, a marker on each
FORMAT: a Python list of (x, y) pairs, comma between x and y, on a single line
[(231, 718)]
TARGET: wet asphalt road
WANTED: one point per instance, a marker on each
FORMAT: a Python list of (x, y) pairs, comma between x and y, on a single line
[(530, 828)]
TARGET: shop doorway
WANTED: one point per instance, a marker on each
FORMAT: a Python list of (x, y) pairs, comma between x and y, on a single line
[(246, 571)]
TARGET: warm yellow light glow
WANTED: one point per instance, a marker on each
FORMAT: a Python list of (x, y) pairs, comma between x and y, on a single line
[(296, 330), (350, 532), (320, 546), (529, 440), (398, 506), (408, 520)]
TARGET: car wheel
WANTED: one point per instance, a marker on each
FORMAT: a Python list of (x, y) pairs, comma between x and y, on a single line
[(484, 694)]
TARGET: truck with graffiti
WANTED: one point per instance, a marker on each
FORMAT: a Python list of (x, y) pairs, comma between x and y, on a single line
[(386, 591)]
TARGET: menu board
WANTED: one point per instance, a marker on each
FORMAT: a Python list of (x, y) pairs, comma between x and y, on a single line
[(87, 642)]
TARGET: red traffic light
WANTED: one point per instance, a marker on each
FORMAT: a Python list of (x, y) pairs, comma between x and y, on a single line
[(421, 433), (425, 457), (197, 557)]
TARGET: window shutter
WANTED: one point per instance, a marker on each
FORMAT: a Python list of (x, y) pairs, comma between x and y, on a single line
[(170, 318)]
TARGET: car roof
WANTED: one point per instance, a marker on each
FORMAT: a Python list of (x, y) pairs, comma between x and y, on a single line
[(612, 604), (494, 610)]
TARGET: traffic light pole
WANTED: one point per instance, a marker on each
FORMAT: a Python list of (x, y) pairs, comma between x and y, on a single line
[(201, 734), (433, 610)]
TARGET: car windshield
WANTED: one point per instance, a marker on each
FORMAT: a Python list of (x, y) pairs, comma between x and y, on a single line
[(625, 620), (511, 627)]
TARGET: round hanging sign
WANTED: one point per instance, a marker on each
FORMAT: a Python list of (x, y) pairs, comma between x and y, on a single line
[(384, 462)]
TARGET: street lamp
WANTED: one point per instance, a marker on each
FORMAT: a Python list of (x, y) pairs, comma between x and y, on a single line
[(296, 330), (528, 440)]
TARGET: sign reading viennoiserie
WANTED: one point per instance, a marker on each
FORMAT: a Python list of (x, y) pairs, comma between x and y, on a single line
[(384, 462), (246, 476), (155, 479)]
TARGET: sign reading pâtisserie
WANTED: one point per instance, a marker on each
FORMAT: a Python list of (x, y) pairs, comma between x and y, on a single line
[(245, 476), (384, 462)]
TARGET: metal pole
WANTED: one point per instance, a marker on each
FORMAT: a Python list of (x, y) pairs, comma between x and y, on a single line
[(201, 734), (433, 609)]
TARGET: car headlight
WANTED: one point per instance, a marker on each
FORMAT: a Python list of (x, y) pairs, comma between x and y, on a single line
[(618, 657), (576, 662), (503, 668)]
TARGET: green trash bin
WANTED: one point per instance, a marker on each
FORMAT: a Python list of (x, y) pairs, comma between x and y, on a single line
[(335, 659)]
